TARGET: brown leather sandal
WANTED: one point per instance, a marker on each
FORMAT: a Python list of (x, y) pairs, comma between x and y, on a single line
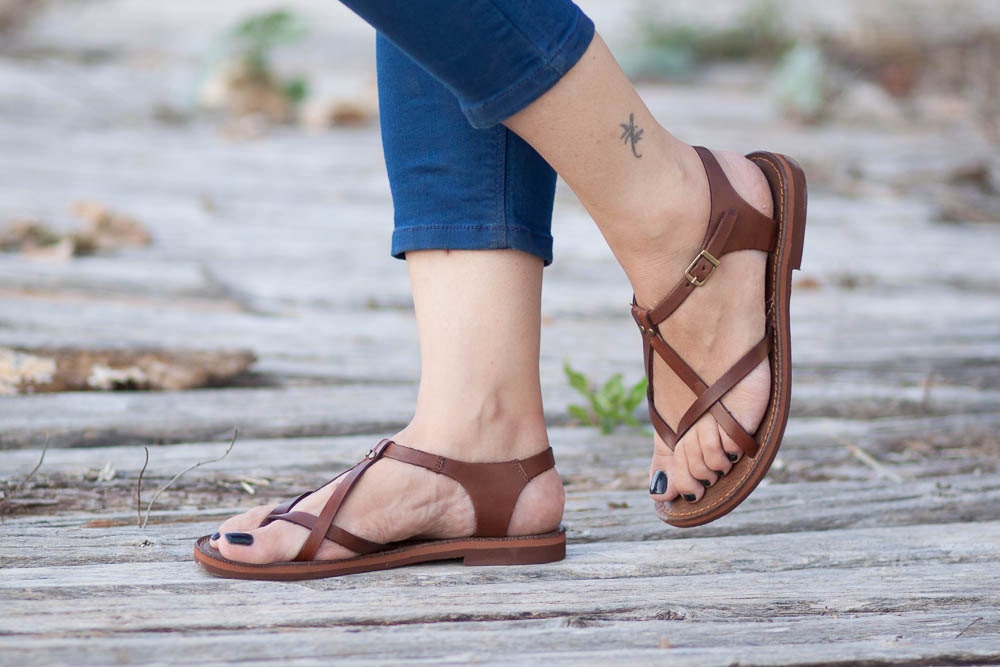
[(735, 225), (493, 488)]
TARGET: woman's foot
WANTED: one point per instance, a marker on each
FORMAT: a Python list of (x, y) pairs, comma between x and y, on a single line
[(394, 501), (648, 193), (711, 331)]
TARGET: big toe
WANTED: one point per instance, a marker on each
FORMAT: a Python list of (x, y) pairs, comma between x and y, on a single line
[(276, 542), (242, 523)]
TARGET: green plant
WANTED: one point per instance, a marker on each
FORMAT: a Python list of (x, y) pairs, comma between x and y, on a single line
[(255, 37), (607, 406), (254, 40)]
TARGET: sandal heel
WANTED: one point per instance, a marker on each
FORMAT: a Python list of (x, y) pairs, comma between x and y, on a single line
[(797, 210), (787, 178), (549, 552)]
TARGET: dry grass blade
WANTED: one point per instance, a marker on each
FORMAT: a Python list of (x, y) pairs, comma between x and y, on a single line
[(872, 463), (138, 491), (20, 485), (149, 508)]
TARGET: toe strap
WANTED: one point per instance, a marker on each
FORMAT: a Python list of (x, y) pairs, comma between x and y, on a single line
[(712, 396), (334, 533), (324, 522), (285, 507)]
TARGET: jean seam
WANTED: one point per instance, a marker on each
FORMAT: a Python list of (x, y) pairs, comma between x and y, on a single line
[(500, 181), (406, 229)]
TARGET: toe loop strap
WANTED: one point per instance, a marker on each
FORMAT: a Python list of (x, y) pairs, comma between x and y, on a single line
[(334, 533), (324, 522), (284, 508)]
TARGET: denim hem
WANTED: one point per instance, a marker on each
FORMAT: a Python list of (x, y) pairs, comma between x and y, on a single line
[(471, 237), (529, 88)]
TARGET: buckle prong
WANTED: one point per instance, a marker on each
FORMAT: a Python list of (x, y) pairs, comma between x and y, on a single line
[(693, 279)]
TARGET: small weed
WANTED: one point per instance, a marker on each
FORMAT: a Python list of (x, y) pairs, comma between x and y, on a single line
[(251, 45), (255, 38), (608, 406)]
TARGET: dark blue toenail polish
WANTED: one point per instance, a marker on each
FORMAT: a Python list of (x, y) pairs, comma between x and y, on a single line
[(215, 537), (659, 483), (733, 458), (705, 483), (241, 539), (719, 473), (690, 497)]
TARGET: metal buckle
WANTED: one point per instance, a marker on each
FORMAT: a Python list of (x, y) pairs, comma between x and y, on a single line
[(694, 279), (371, 454)]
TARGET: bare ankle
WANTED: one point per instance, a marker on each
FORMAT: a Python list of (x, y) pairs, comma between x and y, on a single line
[(494, 426)]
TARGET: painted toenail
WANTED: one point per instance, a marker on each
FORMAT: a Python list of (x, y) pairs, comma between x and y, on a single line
[(215, 537), (733, 457), (659, 483), (705, 483), (240, 539), (690, 497), (721, 474)]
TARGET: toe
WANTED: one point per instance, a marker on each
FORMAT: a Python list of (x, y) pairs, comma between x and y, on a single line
[(242, 522), (687, 458), (661, 473), (276, 542), (702, 451), (713, 449), (731, 451)]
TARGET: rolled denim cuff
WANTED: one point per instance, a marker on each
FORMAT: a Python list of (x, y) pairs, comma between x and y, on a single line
[(538, 81), (414, 237)]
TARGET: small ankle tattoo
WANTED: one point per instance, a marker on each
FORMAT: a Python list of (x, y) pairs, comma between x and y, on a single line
[(631, 134)]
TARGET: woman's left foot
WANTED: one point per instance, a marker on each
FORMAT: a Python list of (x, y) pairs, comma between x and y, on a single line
[(713, 328)]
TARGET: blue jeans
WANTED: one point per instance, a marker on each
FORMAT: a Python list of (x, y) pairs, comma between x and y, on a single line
[(449, 72)]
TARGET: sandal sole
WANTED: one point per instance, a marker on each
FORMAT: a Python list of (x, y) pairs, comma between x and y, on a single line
[(788, 189), (521, 550)]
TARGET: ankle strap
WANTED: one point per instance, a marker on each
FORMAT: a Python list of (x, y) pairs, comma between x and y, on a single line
[(733, 225), (493, 487)]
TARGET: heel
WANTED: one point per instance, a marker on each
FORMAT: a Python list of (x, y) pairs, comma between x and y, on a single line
[(795, 214), (548, 549)]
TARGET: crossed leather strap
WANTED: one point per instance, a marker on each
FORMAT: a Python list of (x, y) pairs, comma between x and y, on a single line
[(493, 488), (733, 225)]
